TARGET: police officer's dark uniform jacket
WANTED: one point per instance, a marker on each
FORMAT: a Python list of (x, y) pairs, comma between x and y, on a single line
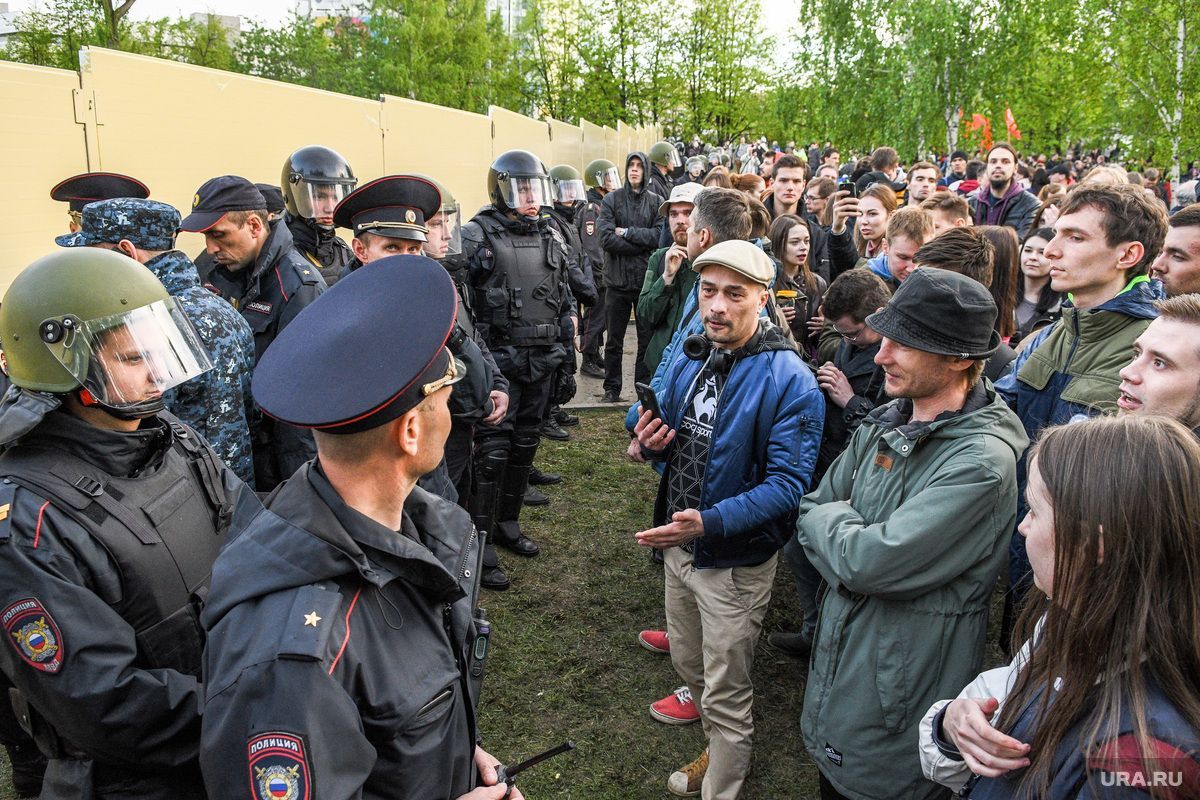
[(269, 294), (106, 544), (351, 641), (579, 270)]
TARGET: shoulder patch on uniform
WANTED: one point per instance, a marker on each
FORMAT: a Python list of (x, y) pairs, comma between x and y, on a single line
[(279, 766), (590, 227), (34, 634), (8, 494), (260, 306)]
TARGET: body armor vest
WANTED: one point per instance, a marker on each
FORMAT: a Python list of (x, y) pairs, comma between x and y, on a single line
[(163, 530), (522, 299)]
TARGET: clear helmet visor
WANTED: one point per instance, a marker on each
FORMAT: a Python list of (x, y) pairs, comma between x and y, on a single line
[(569, 192), (316, 201), (445, 233), (521, 192), (128, 360), (609, 179), (673, 159)]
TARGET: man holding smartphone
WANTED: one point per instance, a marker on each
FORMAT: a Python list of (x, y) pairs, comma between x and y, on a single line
[(668, 279), (739, 431)]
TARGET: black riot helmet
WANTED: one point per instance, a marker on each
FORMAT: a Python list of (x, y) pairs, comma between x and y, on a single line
[(519, 179), (315, 179)]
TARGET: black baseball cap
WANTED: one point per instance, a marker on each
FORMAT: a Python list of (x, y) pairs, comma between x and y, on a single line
[(273, 196), (219, 196)]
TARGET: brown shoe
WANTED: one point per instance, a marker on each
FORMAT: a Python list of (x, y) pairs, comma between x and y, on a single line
[(686, 781)]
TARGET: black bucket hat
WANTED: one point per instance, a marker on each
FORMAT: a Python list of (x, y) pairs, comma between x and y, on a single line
[(938, 311)]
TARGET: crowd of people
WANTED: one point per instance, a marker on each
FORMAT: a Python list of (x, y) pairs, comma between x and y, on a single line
[(237, 489)]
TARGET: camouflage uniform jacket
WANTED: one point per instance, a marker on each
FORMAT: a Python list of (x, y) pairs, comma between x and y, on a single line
[(217, 404)]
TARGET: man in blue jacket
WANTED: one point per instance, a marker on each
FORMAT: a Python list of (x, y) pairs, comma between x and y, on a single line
[(741, 428)]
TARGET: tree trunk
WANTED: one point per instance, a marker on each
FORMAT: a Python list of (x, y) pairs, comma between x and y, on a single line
[(1177, 112)]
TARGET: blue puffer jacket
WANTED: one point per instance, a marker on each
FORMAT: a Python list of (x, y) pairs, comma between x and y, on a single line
[(765, 441)]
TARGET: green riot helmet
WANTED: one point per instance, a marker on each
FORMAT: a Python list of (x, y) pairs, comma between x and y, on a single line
[(98, 322), (314, 180), (567, 185), (726, 161), (518, 181), (664, 154), (602, 174), (695, 166), (445, 228)]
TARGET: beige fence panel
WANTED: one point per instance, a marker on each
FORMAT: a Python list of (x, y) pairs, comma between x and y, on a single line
[(566, 144), (42, 144), (613, 147), (513, 131), (453, 146), (595, 144), (176, 125)]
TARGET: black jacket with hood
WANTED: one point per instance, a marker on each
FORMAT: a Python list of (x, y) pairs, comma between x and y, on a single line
[(338, 650), (635, 210)]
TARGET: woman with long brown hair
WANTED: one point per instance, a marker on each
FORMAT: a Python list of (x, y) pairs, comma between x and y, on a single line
[(875, 207), (798, 289), (1106, 690)]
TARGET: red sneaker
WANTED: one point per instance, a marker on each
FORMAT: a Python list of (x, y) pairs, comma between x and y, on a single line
[(677, 708), (655, 641)]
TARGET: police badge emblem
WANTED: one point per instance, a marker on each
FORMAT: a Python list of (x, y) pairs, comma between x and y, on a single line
[(34, 634), (590, 227), (279, 767)]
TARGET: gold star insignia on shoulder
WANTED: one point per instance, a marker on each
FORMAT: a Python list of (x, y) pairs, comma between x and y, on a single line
[(311, 618)]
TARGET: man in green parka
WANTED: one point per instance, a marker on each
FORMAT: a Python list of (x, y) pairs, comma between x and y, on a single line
[(909, 529)]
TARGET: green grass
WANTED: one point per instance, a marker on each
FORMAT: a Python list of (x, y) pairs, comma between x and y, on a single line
[(566, 663)]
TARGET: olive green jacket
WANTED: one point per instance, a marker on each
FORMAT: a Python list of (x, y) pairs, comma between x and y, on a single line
[(909, 529)]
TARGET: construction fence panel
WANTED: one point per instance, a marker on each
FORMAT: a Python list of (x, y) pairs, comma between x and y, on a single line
[(174, 125), (453, 146), (566, 142), (42, 144), (513, 131)]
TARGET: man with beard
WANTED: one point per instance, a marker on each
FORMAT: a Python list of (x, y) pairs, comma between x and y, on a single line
[(1001, 200), (669, 278)]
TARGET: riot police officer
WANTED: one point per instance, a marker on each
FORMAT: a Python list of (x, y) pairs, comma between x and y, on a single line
[(314, 180), (517, 264), (600, 177), (111, 515), (665, 160), (340, 659), (569, 193), (445, 239)]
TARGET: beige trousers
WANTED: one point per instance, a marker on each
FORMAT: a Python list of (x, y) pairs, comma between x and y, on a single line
[(714, 617)]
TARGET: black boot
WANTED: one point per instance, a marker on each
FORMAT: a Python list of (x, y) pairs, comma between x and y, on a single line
[(512, 493), (564, 419), (488, 469), (535, 497), (539, 478), (551, 430)]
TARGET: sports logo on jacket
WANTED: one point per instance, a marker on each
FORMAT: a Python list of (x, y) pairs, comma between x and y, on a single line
[(34, 634), (279, 767)]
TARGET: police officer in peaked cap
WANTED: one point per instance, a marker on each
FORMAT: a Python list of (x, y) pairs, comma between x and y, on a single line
[(111, 515), (79, 190), (341, 624), (382, 209)]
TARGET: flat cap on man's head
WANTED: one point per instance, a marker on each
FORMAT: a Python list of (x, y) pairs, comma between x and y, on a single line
[(147, 224), (739, 256), (683, 193), (366, 351)]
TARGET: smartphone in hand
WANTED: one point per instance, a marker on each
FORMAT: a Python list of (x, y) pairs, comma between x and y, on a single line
[(649, 400)]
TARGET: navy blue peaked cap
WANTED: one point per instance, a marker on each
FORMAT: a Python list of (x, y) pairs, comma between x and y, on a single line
[(366, 351)]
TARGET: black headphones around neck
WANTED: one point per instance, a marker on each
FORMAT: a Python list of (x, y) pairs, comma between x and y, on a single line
[(699, 347)]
